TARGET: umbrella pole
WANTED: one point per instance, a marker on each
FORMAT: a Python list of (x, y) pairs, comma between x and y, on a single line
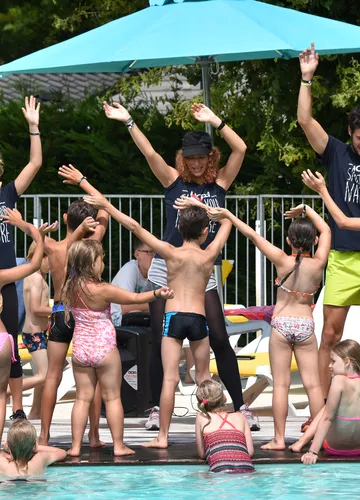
[(205, 72)]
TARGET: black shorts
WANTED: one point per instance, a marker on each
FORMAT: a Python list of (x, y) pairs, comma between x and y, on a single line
[(60, 330), (182, 325), (9, 317)]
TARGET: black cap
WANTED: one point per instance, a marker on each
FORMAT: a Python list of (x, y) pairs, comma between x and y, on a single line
[(196, 143)]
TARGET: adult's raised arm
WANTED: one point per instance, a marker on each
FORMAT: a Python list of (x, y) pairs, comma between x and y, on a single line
[(316, 135), (166, 174), (32, 115), (228, 173)]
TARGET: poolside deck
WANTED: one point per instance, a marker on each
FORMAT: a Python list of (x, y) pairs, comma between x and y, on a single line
[(182, 436)]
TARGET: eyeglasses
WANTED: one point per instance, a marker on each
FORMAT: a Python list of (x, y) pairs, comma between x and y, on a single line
[(149, 252)]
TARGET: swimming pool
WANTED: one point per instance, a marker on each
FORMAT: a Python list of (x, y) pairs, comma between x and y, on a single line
[(286, 482)]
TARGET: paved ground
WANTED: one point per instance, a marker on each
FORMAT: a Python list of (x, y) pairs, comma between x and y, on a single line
[(182, 434)]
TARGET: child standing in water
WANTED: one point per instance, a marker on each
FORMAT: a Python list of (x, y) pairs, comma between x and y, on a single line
[(27, 458), (223, 439), (95, 354), (292, 324), (337, 426)]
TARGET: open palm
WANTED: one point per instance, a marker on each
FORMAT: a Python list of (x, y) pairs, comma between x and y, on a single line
[(116, 112), (202, 113), (309, 60), (31, 111)]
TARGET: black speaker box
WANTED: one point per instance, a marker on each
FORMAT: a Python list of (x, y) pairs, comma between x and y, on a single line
[(134, 344)]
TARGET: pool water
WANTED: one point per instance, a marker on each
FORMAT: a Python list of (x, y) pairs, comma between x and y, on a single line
[(185, 482)]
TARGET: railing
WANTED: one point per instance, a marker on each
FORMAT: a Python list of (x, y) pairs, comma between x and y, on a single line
[(250, 282)]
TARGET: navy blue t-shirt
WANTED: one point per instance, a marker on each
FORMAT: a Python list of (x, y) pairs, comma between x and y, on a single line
[(343, 169), (8, 198), (212, 195)]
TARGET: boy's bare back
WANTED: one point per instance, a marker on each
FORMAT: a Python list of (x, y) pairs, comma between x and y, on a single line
[(35, 283), (57, 254), (189, 270)]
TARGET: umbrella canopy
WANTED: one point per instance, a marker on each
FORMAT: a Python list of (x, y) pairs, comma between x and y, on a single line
[(187, 31)]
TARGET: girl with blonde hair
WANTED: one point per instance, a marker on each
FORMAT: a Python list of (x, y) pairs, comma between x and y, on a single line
[(223, 439), (337, 425), (27, 458), (95, 354)]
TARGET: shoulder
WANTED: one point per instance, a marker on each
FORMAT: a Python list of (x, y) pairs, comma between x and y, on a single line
[(338, 382), (128, 268), (334, 145), (178, 181)]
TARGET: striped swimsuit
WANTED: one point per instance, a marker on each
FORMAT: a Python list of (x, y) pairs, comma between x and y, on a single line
[(226, 451)]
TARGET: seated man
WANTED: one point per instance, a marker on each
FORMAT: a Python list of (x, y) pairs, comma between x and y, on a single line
[(133, 277)]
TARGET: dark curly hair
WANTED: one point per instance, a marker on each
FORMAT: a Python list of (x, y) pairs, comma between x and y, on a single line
[(354, 119), (211, 171)]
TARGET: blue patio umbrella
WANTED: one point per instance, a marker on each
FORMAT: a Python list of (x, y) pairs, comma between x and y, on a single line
[(178, 32)]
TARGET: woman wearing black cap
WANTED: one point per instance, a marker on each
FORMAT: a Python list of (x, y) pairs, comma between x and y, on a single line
[(196, 173)]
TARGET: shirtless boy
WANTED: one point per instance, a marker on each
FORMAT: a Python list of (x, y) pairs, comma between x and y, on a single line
[(189, 269), (34, 334), (60, 336)]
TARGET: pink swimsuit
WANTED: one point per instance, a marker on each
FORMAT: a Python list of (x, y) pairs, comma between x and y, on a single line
[(343, 453), (94, 334), (4, 336)]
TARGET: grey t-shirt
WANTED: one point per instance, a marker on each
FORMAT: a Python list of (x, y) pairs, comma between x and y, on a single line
[(129, 278)]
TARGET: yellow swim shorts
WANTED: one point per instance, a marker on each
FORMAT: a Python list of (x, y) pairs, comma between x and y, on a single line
[(342, 283)]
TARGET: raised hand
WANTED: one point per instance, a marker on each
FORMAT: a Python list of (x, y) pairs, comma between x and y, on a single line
[(204, 114), (309, 458), (294, 212), (49, 228), (309, 60), (98, 200), (315, 182), (31, 111), (89, 225), (116, 112), (165, 293), (187, 201), (71, 174), (217, 213), (13, 217)]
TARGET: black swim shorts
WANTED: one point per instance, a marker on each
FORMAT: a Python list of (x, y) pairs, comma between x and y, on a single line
[(182, 325), (60, 330)]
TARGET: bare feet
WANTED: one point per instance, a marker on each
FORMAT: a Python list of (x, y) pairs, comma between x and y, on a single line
[(74, 452), (274, 445), (44, 440), (95, 442), (120, 451), (296, 447), (157, 443)]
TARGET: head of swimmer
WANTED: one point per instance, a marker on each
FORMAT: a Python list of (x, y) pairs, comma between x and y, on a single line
[(193, 224), (210, 397), (44, 268), (198, 160), (354, 129), (345, 358), (301, 235), (77, 212), (85, 261), (21, 442)]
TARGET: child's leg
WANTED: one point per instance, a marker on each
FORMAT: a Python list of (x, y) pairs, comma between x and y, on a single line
[(201, 352), (189, 364), (5, 365), (308, 435), (85, 381), (56, 352), (280, 362), (109, 373), (40, 361), (94, 418), (306, 355), (171, 354)]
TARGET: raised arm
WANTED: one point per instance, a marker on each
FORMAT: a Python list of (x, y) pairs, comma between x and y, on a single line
[(163, 248), (74, 177), (273, 253), (32, 115), (317, 183), (166, 174), (228, 173), (220, 239), (314, 132), (14, 218), (324, 243)]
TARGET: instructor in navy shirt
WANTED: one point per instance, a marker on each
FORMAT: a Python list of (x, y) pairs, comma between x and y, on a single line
[(342, 163), (9, 193)]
